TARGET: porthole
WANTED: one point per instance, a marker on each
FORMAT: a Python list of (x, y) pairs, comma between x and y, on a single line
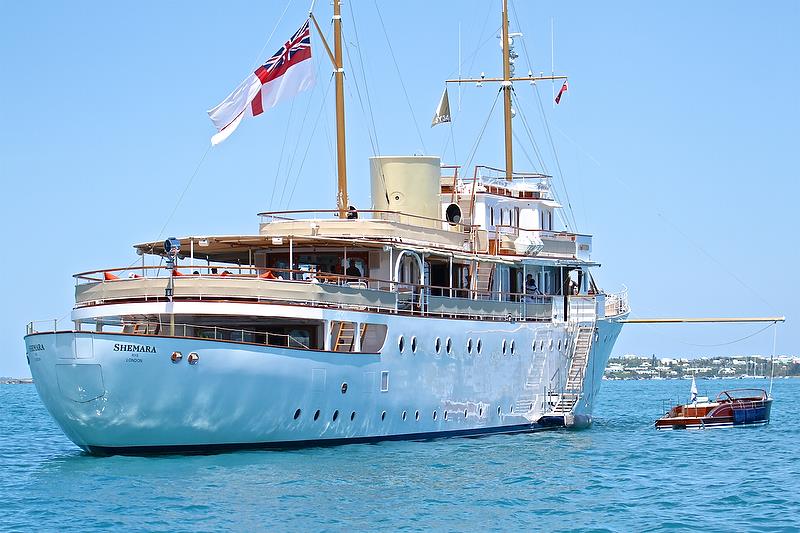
[(511, 409), (480, 411), (316, 415), (533, 346), (404, 415), (504, 346), (401, 343), (512, 347), (297, 414), (498, 410), (479, 346), (596, 335), (559, 345), (352, 416), (344, 388), (335, 415), (469, 345), (383, 416), (541, 345), (416, 415), (434, 415), (445, 415), (438, 344), (448, 345), (551, 345), (465, 413), (414, 344)]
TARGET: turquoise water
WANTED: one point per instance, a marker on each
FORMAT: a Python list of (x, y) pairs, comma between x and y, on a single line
[(620, 475)]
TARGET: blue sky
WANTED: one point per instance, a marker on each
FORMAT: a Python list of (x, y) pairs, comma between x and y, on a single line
[(677, 139)]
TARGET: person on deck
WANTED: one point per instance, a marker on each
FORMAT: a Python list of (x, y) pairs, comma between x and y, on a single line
[(530, 286), (352, 270)]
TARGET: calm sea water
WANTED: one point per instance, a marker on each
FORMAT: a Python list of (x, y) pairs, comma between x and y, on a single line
[(620, 475)]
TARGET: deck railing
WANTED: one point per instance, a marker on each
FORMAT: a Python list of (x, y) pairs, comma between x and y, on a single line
[(617, 303), (308, 288), (189, 331)]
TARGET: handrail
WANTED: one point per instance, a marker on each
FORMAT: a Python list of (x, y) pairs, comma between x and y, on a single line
[(325, 278), (31, 328), (280, 215)]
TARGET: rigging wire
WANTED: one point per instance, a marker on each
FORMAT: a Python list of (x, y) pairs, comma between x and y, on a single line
[(474, 148), (297, 145), (280, 158), (183, 193), (377, 148), (727, 343), (555, 153), (257, 60), (529, 131), (489, 6), (367, 116), (400, 76), (308, 146)]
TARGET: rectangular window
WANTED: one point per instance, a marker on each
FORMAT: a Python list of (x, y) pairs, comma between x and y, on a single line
[(385, 381), (372, 337)]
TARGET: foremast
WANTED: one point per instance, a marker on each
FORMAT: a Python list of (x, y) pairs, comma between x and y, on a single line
[(338, 72)]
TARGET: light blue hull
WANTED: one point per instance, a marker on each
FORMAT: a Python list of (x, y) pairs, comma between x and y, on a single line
[(115, 392)]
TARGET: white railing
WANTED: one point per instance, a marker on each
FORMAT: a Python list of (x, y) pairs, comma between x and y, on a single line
[(617, 303)]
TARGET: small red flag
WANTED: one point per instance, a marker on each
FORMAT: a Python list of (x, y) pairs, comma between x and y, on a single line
[(564, 88)]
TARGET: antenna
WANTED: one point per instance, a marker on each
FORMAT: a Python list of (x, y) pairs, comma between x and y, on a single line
[(553, 58)]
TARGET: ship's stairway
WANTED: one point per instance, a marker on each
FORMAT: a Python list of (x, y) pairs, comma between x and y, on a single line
[(533, 381), (345, 336), (483, 278), (573, 388), (465, 203)]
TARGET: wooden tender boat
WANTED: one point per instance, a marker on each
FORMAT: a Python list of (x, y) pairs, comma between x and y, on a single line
[(737, 407)]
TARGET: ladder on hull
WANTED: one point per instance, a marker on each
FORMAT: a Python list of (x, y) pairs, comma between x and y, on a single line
[(573, 388)]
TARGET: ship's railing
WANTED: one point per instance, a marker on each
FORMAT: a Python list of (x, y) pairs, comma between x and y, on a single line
[(617, 303), (189, 331), (354, 214), (306, 288), (44, 326)]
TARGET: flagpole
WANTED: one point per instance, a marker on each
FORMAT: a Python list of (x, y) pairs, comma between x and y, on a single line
[(507, 95), (341, 155)]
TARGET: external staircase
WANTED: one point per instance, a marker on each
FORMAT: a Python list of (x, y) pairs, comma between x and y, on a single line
[(573, 388)]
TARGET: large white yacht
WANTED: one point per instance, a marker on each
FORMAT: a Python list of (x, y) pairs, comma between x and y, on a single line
[(452, 307)]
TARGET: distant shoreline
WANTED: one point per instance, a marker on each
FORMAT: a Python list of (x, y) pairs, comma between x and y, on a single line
[(16, 381)]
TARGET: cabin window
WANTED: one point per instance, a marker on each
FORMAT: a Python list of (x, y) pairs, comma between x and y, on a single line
[(385, 381), (372, 337), (550, 220), (491, 215)]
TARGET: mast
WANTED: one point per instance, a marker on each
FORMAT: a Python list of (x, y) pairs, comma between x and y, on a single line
[(341, 155), (507, 95)]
